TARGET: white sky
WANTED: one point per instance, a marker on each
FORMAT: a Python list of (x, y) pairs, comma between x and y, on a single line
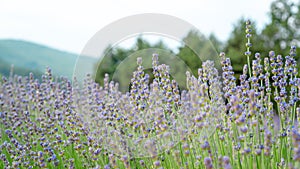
[(68, 25)]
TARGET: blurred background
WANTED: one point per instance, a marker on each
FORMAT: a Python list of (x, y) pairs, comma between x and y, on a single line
[(37, 34)]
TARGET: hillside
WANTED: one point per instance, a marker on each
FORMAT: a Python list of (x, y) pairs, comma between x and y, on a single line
[(31, 57)]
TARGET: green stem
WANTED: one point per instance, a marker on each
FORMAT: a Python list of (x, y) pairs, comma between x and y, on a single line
[(249, 65)]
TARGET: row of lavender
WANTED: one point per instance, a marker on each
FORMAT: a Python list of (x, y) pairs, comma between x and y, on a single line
[(218, 122)]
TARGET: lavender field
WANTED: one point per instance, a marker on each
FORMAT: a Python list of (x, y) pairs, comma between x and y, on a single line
[(218, 122)]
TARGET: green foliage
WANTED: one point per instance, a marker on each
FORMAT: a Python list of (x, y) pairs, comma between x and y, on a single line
[(284, 26), (123, 60), (281, 32), (188, 55), (119, 63)]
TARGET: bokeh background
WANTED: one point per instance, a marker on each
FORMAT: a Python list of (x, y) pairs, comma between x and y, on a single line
[(37, 34)]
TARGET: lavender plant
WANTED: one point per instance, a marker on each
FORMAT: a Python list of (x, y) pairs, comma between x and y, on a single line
[(218, 122)]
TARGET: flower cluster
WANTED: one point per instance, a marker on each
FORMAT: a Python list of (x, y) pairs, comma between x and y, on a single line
[(220, 121)]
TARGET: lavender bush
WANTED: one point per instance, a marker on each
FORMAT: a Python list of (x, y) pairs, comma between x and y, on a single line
[(219, 122)]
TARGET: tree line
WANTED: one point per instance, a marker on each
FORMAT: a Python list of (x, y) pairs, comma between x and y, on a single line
[(282, 31)]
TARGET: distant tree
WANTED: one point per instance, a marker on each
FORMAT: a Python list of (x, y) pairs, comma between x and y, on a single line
[(190, 56), (216, 42), (283, 30), (187, 54), (114, 56), (198, 48)]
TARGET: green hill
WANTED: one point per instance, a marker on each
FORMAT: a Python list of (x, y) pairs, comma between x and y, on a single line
[(31, 57)]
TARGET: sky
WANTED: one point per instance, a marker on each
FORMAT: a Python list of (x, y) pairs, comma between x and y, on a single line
[(68, 25)]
